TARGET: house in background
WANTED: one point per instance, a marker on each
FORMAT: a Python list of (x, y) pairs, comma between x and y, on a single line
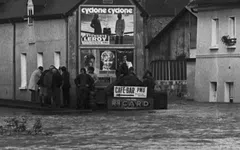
[(161, 12), (217, 76), (57, 32), (171, 53)]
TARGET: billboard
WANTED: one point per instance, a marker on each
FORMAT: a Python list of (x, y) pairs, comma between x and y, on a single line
[(104, 25), (130, 92), (105, 61)]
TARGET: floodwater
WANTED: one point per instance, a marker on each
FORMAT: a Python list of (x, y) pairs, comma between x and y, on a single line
[(185, 125)]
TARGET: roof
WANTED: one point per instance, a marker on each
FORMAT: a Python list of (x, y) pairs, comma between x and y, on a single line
[(165, 7), (13, 9), (213, 2), (182, 12)]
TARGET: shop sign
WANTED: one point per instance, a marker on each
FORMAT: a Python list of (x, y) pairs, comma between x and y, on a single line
[(106, 10), (130, 91), (91, 39), (101, 25), (130, 103)]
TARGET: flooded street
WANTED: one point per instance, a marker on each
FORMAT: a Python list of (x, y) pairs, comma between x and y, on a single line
[(185, 125)]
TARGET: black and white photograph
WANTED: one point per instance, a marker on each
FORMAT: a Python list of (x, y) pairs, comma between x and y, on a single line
[(119, 75), (104, 25)]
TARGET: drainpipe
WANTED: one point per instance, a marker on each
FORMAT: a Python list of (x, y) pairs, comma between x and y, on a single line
[(14, 61), (77, 43), (66, 20)]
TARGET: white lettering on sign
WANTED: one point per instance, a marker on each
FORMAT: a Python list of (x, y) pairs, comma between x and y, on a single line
[(110, 10), (95, 39), (131, 103), (130, 91), (120, 10), (94, 10)]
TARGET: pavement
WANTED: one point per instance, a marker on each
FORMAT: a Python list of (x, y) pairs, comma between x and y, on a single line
[(184, 125)]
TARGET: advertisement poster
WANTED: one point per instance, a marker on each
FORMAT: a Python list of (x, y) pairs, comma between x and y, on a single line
[(130, 92), (130, 104), (107, 25), (125, 55), (107, 60), (88, 59)]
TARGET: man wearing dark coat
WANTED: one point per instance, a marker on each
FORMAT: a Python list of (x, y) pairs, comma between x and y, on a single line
[(84, 83), (65, 86)]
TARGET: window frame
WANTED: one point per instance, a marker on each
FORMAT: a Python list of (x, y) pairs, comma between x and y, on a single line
[(215, 33), (23, 71)]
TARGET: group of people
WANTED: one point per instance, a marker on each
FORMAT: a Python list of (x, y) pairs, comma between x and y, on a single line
[(46, 86)]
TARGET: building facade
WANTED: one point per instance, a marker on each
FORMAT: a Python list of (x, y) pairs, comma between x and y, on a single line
[(171, 54), (39, 33), (217, 57)]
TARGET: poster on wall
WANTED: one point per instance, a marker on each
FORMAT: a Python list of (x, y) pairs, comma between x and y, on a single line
[(88, 59), (103, 25), (125, 55), (108, 60)]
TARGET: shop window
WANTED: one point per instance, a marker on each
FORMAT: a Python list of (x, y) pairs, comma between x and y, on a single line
[(106, 25), (57, 59), (215, 32), (40, 59), (23, 63)]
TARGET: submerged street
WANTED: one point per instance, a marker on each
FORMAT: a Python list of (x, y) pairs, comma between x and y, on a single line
[(185, 125)]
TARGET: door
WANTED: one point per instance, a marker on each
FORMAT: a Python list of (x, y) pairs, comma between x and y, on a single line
[(228, 92), (213, 92)]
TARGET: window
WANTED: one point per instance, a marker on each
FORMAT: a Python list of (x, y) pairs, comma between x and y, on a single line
[(193, 32), (215, 32), (57, 59), (232, 27), (30, 12), (229, 92), (30, 19), (23, 70), (40, 59)]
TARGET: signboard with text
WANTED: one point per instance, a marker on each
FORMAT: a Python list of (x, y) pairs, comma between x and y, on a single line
[(91, 39), (104, 25), (130, 104), (130, 92)]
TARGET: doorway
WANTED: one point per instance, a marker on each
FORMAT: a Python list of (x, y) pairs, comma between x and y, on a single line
[(228, 92), (213, 92)]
